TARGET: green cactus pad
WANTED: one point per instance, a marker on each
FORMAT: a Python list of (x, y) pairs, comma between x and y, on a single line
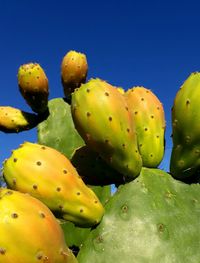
[(152, 219), (58, 131)]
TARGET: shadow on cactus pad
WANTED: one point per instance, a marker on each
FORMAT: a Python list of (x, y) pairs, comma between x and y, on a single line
[(93, 169)]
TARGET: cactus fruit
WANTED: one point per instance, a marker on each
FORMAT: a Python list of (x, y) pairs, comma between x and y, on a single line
[(102, 118), (185, 157), (49, 176), (26, 223), (33, 85), (15, 120), (149, 119), (152, 219), (74, 70)]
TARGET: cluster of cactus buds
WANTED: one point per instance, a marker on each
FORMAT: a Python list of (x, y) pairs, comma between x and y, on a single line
[(57, 201)]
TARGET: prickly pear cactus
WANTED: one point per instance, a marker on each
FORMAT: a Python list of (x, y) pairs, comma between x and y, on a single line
[(102, 118), (185, 157), (13, 120), (29, 232), (149, 119), (33, 85), (159, 223), (58, 131), (74, 70), (49, 176)]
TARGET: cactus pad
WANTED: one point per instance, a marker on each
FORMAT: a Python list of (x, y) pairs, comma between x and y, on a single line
[(152, 219)]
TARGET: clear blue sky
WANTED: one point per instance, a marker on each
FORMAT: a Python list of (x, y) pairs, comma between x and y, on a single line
[(155, 44)]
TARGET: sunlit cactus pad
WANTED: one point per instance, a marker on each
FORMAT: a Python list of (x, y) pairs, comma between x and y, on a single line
[(58, 130), (152, 219)]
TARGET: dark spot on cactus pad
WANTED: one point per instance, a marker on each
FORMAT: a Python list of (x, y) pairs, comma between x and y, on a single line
[(58, 189), (15, 160), (125, 212), (2, 251), (128, 130), (124, 209), (14, 215), (107, 94), (81, 210), (157, 136), (158, 108), (161, 227), (152, 116), (98, 239), (146, 129), (88, 114), (38, 163), (123, 145), (64, 171), (35, 187), (60, 207), (140, 145), (107, 141), (88, 90), (110, 118), (163, 231), (142, 99), (78, 193), (42, 215), (169, 195), (95, 201), (151, 155), (136, 112)]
